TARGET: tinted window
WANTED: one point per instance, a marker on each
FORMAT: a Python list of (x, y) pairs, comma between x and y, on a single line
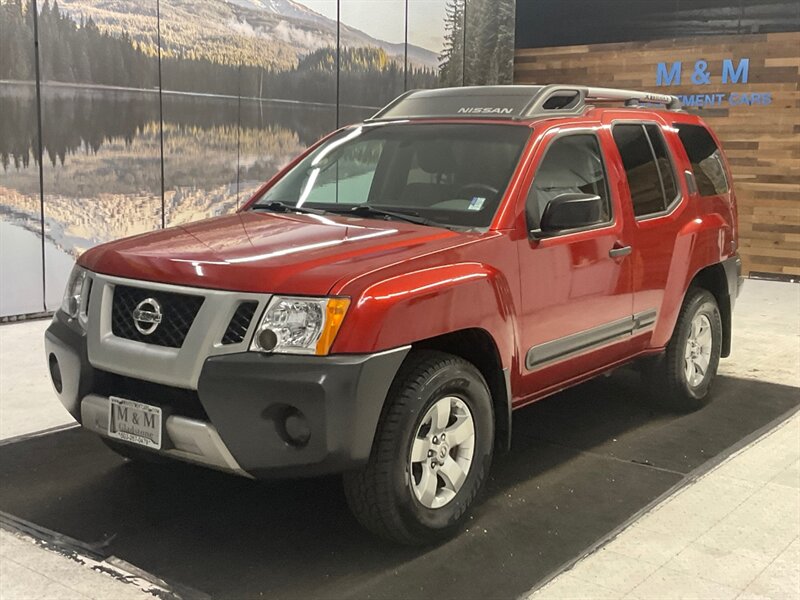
[(664, 162), (644, 180), (706, 159), (572, 164), (453, 174), (651, 178)]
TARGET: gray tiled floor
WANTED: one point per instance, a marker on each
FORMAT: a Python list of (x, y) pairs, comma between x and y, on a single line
[(28, 571), (735, 533), (27, 400)]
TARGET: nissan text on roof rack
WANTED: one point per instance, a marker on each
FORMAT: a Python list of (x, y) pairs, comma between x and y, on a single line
[(383, 304)]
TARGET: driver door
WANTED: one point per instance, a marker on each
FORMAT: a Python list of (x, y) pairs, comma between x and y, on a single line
[(576, 291)]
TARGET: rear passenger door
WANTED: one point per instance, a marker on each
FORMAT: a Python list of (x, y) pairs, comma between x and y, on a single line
[(654, 195)]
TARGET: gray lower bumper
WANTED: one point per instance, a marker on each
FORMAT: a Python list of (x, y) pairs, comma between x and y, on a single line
[(251, 414), (66, 348), (192, 440)]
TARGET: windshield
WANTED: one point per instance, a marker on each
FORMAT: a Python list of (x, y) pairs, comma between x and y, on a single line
[(436, 174)]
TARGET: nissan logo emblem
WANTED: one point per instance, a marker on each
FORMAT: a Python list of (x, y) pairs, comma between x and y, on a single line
[(147, 315)]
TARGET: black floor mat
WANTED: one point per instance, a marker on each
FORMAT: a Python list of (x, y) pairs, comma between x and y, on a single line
[(582, 463)]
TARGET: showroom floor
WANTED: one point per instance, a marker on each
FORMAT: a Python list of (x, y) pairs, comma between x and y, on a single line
[(732, 534), (74, 519)]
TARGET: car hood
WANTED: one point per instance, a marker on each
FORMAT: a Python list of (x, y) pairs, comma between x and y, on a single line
[(266, 252)]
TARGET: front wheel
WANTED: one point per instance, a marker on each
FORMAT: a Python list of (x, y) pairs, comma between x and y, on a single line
[(431, 453), (681, 378)]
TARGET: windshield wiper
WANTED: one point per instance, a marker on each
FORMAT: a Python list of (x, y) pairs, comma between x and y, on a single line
[(364, 210), (276, 206)]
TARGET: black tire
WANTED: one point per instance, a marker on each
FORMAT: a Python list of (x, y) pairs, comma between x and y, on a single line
[(380, 495), (137, 455), (666, 374)]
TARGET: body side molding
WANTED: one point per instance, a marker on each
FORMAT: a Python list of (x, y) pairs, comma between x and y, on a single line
[(590, 339)]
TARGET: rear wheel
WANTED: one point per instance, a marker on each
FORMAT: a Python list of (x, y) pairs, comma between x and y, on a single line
[(431, 453), (681, 378)]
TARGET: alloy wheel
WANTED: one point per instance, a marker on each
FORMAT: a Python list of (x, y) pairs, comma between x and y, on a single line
[(442, 452), (697, 354)]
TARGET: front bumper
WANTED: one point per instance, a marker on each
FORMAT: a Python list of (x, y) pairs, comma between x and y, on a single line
[(255, 414)]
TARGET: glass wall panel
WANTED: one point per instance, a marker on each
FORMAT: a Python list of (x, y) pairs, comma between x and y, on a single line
[(435, 43), (372, 57), (21, 289), (241, 87), (200, 94), (288, 100), (489, 42), (100, 128)]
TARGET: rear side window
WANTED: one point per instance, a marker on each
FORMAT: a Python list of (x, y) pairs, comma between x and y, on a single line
[(706, 159), (651, 178), (663, 161)]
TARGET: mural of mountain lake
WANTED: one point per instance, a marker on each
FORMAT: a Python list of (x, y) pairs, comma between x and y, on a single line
[(102, 172)]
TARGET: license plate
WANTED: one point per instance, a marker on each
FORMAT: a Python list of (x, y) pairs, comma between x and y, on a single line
[(135, 422)]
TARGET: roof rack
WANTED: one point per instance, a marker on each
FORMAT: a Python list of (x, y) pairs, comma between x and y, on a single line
[(629, 97), (516, 102)]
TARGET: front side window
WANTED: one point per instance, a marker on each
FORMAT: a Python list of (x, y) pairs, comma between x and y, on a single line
[(442, 174), (705, 158), (648, 167), (572, 164)]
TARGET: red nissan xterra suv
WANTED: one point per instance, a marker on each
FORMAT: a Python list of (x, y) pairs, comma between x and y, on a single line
[(380, 307)]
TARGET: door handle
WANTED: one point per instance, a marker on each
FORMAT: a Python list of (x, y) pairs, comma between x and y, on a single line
[(619, 250)]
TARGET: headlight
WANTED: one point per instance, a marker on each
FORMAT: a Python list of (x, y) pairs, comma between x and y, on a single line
[(300, 325), (71, 304)]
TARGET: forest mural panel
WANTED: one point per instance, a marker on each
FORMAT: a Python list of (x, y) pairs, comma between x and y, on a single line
[(244, 85), (489, 42), (201, 78), (100, 130), (437, 26), (21, 285), (371, 58), (286, 105)]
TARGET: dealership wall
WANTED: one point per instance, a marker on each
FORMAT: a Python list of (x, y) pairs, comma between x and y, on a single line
[(145, 114), (738, 63), (758, 121)]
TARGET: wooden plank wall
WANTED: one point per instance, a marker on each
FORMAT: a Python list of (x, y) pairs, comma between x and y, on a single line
[(762, 142)]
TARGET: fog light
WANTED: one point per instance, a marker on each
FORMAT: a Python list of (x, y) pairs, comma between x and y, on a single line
[(55, 372), (267, 340), (297, 429)]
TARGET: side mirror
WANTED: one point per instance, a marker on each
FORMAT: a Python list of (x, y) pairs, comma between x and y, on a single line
[(570, 211)]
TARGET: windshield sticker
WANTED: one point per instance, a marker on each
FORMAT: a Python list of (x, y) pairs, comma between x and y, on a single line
[(476, 203)]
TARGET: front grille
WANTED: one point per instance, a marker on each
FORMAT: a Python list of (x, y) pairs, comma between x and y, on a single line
[(240, 322), (176, 400), (178, 312)]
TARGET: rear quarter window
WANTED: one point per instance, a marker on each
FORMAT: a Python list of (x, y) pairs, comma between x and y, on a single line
[(705, 158)]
